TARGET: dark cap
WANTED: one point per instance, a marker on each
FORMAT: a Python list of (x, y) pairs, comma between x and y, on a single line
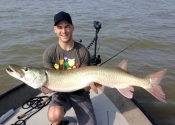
[(62, 16)]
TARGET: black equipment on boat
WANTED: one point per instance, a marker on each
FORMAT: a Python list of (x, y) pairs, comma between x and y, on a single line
[(95, 59), (36, 103)]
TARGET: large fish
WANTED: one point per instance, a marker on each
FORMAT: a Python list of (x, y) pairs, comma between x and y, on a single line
[(78, 78)]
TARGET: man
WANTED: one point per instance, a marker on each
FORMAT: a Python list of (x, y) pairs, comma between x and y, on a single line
[(64, 55)]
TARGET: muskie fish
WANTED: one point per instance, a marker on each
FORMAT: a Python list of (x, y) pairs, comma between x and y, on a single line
[(78, 78)]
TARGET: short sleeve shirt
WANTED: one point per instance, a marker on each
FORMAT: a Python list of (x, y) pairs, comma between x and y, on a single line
[(74, 58)]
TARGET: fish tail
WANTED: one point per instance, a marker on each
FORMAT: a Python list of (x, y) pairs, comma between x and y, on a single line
[(156, 89)]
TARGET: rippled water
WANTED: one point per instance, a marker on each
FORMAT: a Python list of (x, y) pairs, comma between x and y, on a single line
[(26, 30)]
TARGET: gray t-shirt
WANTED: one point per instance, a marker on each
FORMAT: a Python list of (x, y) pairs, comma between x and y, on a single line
[(74, 58)]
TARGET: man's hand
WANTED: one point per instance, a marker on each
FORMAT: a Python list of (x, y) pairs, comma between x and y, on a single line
[(96, 84), (45, 90)]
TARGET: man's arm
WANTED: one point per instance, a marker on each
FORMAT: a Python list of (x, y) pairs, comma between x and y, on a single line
[(47, 63)]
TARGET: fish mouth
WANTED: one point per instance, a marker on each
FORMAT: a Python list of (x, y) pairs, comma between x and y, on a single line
[(13, 72), (9, 69)]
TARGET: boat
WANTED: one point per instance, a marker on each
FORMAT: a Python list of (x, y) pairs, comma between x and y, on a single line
[(111, 108), (24, 105)]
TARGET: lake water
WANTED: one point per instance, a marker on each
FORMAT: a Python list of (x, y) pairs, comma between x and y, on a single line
[(26, 30)]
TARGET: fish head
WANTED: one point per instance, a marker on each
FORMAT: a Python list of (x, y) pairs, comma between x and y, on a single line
[(34, 77)]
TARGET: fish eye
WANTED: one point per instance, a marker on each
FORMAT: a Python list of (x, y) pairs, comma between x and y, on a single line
[(25, 68)]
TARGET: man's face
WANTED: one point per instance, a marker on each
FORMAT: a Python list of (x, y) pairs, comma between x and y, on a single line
[(64, 30)]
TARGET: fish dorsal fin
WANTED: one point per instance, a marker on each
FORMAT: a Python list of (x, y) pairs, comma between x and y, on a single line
[(127, 92), (123, 65)]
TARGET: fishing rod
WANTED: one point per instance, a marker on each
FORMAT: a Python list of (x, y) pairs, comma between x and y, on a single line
[(119, 53), (133, 100), (36, 104)]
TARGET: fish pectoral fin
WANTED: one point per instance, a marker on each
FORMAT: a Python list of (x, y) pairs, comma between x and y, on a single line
[(47, 79), (123, 65), (127, 92), (94, 88)]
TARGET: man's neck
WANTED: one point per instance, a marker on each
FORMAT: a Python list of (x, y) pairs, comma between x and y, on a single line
[(66, 46)]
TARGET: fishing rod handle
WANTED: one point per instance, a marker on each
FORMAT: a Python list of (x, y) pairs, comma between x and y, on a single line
[(21, 116), (44, 101)]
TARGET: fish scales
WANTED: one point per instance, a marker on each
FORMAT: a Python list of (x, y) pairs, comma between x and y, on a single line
[(112, 77)]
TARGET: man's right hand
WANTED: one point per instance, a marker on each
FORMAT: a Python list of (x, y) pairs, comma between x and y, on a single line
[(93, 86), (45, 90)]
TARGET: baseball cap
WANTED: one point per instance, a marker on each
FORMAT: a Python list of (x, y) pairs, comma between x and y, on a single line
[(62, 16)]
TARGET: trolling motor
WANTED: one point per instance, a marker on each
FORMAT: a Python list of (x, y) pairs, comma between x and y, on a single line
[(95, 59)]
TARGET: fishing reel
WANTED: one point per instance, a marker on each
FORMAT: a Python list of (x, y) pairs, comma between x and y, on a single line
[(95, 59)]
